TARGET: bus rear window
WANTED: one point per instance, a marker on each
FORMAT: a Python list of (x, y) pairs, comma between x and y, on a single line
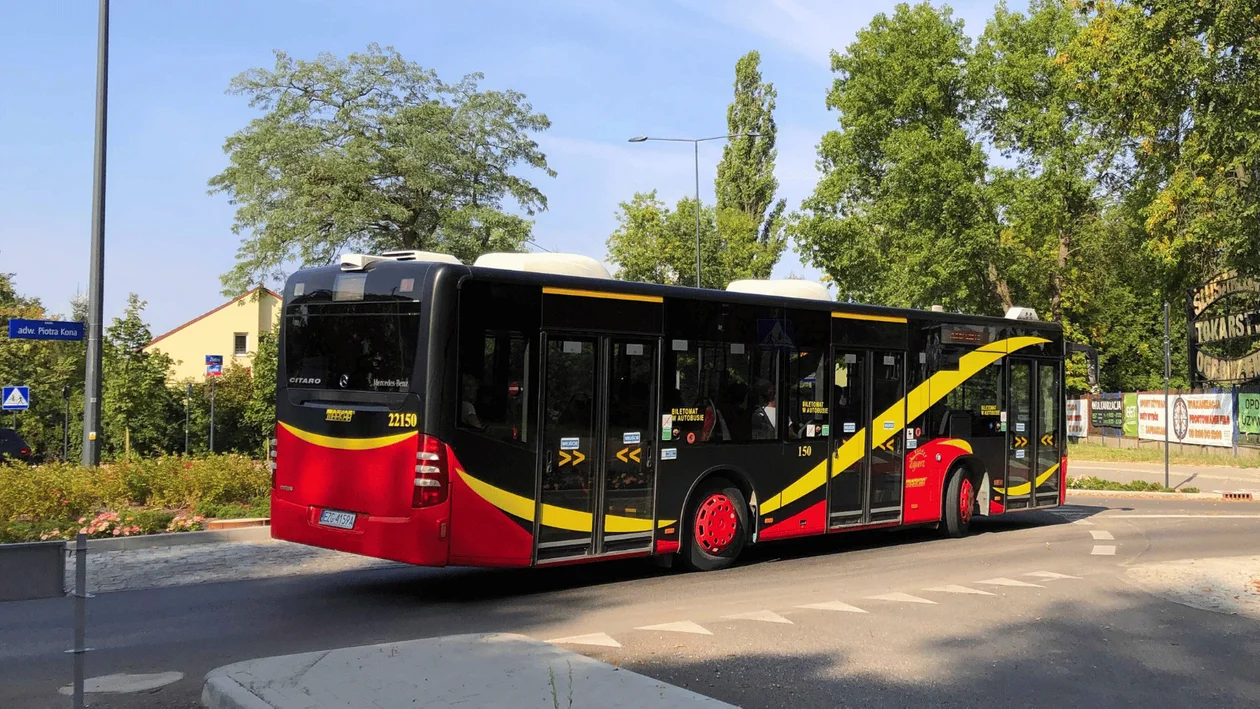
[(363, 346)]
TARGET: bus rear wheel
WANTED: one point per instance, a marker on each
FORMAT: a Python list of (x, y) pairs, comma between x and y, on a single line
[(717, 526), (960, 501)]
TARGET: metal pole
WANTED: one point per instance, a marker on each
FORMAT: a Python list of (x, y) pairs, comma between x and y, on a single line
[(65, 433), (96, 288), (212, 414), (80, 615), (696, 145), (1167, 373), (187, 406)]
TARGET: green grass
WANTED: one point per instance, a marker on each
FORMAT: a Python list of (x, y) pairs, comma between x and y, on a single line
[(1088, 482), (1100, 453)]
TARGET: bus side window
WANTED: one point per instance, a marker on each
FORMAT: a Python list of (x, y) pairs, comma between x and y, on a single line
[(493, 387)]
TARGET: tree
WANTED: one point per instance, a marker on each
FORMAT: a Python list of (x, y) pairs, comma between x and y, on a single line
[(654, 244), (373, 152), (136, 403), (745, 182), (260, 411), (1177, 84), (901, 215)]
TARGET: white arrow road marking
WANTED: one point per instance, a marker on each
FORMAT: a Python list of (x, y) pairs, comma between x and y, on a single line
[(901, 597), (682, 626), (1101, 535), (600, 639), (955, 588), (1008, 582), (1051, 575), (1103, 550), (767, 616), (833, 606), (124, 684)]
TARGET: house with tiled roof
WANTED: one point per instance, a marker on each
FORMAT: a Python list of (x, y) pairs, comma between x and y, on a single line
[(231, 330)]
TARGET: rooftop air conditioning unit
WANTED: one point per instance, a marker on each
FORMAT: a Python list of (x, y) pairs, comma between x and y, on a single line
[(1018, 313), (785, 287), (358, 262), (559, 264)]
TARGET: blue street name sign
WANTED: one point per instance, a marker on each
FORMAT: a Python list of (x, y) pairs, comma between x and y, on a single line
[(214, 365), (44, 330), (15, 398)]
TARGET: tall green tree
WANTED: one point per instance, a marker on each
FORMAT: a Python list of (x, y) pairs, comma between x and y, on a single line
[(136, 403), (745, 183), (374, 152), (1178, 86), (260, 412), (901, 214)]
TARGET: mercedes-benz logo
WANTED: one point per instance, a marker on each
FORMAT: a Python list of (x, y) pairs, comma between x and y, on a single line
[(345, 381), (1181, 418)]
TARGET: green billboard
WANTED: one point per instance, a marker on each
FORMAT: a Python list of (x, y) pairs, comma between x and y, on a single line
[(1130, 415), (1249, 413)]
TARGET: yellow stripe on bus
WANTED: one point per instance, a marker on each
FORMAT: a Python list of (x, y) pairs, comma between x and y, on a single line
[(348, 444), (919, 400), (1024, 488), (553, 516), (873, 318), (603, 294)]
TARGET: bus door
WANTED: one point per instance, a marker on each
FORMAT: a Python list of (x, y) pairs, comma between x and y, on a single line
[(1048, 436), (1021, 439), (598, 474), (867, 441)]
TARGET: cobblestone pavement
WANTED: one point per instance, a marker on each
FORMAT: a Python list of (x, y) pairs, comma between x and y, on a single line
[(206, 563)]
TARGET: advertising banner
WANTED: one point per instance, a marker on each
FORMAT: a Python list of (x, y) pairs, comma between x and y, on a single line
[(1249, 413), (1077, 418), (1130, 415), (1106, 414), (1198, 419)]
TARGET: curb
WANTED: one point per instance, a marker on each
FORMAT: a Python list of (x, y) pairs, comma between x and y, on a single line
[(177, 539), (223, 692), (1149, 495)]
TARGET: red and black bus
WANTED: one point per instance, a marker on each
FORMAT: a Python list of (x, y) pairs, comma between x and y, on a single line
[(510, 413)]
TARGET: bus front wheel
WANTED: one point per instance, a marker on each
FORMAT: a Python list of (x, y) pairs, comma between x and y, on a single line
[(717, 526), (960, 501)]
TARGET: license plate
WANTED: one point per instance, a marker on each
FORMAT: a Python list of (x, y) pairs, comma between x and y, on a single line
[(340, 520)]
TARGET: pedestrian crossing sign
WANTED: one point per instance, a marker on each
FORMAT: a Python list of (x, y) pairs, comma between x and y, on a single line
[(16, 398)]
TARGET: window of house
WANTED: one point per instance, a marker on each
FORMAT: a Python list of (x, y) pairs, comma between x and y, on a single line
[(240, 344)]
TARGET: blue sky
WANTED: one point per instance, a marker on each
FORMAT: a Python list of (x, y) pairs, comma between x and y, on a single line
[(602, 70)]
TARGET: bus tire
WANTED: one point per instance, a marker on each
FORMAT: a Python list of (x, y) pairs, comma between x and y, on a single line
[(960, 501), (717, 526)]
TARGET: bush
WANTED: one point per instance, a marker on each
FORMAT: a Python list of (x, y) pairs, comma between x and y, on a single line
[(1089, 482), (49, 500)]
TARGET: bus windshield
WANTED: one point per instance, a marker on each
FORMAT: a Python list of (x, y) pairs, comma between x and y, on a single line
[(363, 346)]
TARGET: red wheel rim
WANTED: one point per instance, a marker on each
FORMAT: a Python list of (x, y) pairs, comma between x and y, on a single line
[(716, 523), (964, 501)]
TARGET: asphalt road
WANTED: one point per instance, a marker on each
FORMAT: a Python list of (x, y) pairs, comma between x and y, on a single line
[(1055, 622)]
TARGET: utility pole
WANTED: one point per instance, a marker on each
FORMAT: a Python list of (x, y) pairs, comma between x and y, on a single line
[(212, 413), (1167, 373), (187, 406), (96, 274), (65, 425)]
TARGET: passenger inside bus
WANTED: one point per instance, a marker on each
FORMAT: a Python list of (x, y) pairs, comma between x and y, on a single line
[(468, 407)]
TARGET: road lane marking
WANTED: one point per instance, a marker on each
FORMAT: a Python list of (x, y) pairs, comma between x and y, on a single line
[(600, 639), (682, 626), (1198, 516), (1051, 575), (766, 616), (833, 606), (1100, 535), (1083, 522), (124, 683), (1003, 581), (1103, 550), (899, 597), (955, 588)]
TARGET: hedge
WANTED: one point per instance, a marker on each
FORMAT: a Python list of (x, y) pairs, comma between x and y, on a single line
[(35, 501)]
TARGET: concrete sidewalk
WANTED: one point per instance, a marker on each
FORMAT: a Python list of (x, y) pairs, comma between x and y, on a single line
[(470, 671), (1208, 478)]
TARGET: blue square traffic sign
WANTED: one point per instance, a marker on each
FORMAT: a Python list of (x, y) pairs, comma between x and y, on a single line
[(214, 365), (15, 398)]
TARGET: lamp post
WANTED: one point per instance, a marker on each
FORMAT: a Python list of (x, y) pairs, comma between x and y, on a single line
[(695, 143), (96, 272)]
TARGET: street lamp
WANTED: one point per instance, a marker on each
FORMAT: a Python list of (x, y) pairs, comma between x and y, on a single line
[(695, 142)]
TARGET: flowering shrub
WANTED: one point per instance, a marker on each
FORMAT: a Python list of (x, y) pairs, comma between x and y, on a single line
[(143, 495), (184, 523)]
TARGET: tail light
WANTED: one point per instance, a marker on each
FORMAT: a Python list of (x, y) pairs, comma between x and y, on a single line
[(271, 458), (431, 473), (1063, 480), (24, 451)]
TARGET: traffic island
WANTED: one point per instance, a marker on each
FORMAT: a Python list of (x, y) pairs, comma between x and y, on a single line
[(486, 670)]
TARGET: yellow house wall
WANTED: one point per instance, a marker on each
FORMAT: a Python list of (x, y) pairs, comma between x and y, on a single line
[(214, 334)]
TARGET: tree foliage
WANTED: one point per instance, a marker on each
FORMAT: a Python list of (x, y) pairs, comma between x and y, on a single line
[(137, 407), (745, 182), (374, 152)]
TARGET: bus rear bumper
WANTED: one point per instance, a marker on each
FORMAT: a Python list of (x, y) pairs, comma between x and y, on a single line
[(422, 538)]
